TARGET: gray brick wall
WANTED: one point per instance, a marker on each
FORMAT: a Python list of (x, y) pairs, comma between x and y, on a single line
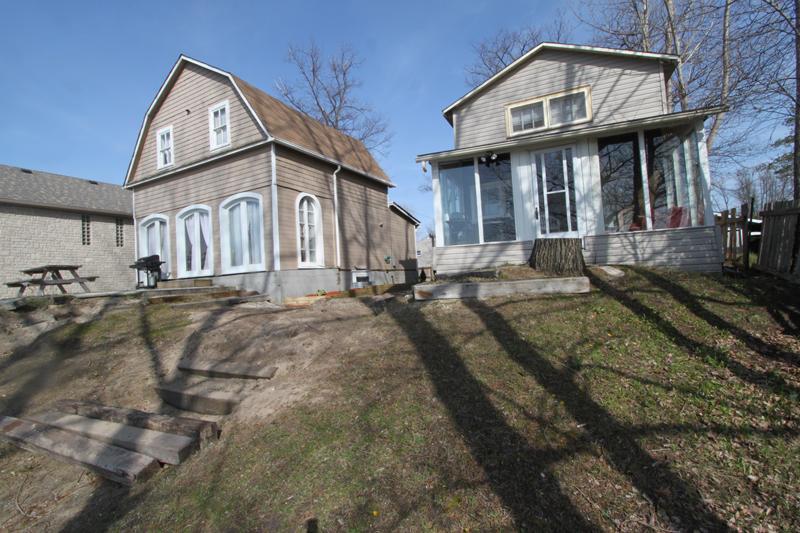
[(32, 236)]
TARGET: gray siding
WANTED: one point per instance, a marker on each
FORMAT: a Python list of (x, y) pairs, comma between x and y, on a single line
[(622, 89), (195, 90), (33, 236), (458, 259), (210, 185), (697, 249)]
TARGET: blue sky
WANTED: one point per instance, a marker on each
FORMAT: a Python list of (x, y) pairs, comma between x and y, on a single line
[(78, 76)]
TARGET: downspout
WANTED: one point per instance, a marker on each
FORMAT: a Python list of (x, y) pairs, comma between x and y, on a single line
[(336, 216), (135, 235)]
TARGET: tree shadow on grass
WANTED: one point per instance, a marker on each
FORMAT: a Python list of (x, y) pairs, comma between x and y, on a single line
[(664, 487), (768, 381)]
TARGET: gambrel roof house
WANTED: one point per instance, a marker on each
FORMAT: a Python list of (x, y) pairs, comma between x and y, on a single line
[(575, 141), (232, 184)]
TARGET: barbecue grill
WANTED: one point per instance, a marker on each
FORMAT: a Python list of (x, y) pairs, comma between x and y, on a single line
[(150, 266)]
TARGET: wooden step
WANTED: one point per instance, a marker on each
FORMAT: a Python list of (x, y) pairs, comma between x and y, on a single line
[(229, 369), (111, 462), (196, 429), (183, 283), (198, 295), (211, 396), (166, 447)]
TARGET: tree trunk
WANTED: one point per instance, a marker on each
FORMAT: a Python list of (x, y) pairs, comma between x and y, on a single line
[(726, 75), (558, 256)]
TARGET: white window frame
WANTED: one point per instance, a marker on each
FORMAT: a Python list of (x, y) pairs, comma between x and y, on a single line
[(587, 92), (224, 235), (211, 134), (180, 230), (320, 250), (160, 148), (166, 267)]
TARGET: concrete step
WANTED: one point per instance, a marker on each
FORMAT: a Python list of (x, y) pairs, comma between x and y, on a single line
[(183, 283), (111, 462), (196, 429), (166, 447), (210, 396), (229, 369)]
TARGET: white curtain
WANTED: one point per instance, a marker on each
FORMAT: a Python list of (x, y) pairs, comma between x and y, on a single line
[(312, 231), (205, 236), (235, 229), (189, 244), (162, 238), (254, 232), (151, 247)]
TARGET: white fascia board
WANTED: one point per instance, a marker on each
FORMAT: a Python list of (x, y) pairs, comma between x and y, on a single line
[(172, 73), (558, 46)]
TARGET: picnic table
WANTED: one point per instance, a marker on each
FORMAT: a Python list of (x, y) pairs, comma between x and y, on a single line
[(51, 276)]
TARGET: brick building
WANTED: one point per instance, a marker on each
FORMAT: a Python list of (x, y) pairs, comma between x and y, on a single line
[(49, 218)]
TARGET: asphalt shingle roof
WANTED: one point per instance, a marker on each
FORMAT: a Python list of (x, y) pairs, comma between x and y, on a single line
[(42, 189)]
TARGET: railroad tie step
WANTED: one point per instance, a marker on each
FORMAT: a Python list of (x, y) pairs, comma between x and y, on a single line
[(229, 369), (196, 429), (112, 462), (166, 447), (208, 397)]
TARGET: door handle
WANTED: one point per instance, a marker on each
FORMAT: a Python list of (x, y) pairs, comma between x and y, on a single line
[(536, 213)]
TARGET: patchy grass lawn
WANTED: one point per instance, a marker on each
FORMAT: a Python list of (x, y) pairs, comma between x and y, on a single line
[(660, 401)]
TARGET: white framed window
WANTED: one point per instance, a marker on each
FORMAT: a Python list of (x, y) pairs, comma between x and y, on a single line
[(154, 240), (572, 106), (194, 238), (241, 221), (310, 244), (164, 150), (219, 127)]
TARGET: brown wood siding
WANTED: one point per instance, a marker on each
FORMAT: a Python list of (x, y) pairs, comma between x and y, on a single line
[(621, 89), (402, 234), (468, 258), (210, 185), (363, 223), (297, 174), (195, 90)]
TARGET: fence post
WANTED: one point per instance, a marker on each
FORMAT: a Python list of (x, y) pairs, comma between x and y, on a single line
[(724, 228), (746, 208)]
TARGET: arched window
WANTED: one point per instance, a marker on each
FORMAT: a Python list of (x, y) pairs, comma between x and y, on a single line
[(194, 239), (241, 220), (154, 240), (309, 232)]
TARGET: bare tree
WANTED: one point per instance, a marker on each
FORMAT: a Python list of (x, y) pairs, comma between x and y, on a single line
[(506, 46), (326, 90)]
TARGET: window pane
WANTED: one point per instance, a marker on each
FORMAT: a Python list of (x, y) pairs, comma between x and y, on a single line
[(235, 231), (554, 169), (254, 232), (676, 197), (567, 108), (557, 212), (459, 205), (152, 243), (497, 199), (540, 188), (573, 209), (621, 183), (527, 117)]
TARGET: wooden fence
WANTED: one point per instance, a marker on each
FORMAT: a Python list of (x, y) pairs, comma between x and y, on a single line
[(779, 240), (735, 229)]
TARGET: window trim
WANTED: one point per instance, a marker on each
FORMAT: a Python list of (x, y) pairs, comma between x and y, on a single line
[(211, 137), (320, 251), (159, 148), (224, 235), (180, 225), (143, 239), (545, 99)]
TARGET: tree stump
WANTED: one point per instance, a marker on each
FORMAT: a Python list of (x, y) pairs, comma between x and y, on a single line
[(558, 256)]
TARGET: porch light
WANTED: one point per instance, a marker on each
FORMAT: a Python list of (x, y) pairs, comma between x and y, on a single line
[(489, 159)]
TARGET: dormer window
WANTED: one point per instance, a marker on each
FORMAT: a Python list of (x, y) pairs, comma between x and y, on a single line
[(164, 142), (219, 125), (550, 111)]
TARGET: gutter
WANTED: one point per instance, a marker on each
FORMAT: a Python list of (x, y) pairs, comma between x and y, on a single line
[(336, 216)]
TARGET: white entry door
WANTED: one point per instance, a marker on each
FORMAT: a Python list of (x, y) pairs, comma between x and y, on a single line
[(555, 211)]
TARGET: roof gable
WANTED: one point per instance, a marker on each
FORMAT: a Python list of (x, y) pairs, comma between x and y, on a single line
[(279, 123), (529, 56)]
